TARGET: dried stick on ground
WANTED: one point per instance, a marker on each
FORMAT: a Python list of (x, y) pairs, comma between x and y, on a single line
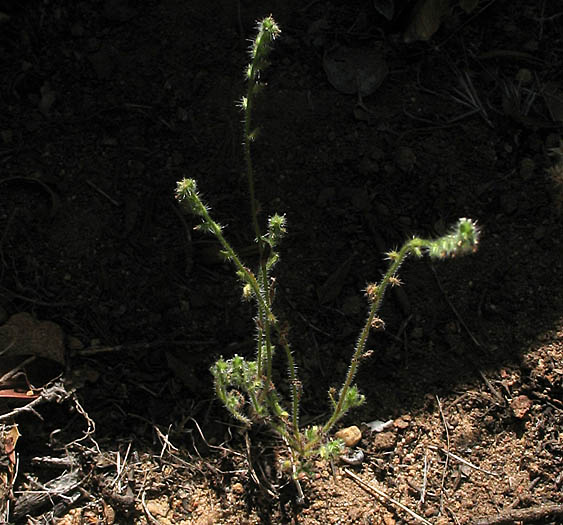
[(69, 462), (464, 461), (55, 391), (28, 502), (374, 490), (531, 514), (446, 461)]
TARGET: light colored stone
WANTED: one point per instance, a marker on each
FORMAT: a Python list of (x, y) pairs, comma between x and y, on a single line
[(238, 488), (402, 422), (350, 435), (158, 507)]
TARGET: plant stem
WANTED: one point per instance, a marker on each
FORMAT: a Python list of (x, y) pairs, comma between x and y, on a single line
[(339, 409), (292, 372), (264, 330), (249, 166)]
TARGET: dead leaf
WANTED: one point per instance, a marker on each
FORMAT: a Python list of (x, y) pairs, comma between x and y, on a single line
[(426, 18), (8, 438), (22, 334), (379, 426), (468, 5), (355, 70), (11, 393)]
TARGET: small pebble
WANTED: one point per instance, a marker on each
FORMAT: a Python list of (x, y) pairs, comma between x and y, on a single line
[(520, 406), (237, 488), (402, 422), (350, 435)]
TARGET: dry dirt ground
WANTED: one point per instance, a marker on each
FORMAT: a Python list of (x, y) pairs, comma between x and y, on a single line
[(114, 308)]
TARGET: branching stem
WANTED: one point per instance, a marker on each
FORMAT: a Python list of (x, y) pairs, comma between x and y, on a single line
[(239, 382)]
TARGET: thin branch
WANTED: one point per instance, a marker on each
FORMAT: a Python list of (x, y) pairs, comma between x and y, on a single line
[(464, 461), (445, 470), (148, 515), (531, 514), (54, 392), (380, 493), (424, 478)]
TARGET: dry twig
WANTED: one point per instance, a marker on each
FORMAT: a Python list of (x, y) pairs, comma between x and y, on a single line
[(133, 347), (148, 515), (29, 501), (531, 514), (103, 193), (424, 478), (56, 391), (464, 461), (380, 493), (445, 470)]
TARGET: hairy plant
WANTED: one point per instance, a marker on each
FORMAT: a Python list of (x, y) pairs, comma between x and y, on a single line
[(245, 386)]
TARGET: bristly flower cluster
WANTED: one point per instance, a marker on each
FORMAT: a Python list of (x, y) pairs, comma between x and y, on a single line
[(462, 239), (260, 48), (268, 31), (246, 387)]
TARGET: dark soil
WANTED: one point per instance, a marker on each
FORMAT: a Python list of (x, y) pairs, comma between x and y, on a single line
[(107, 103)]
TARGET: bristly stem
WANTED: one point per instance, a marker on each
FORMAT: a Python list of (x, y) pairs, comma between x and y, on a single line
[(268, 31), (260, 48), (463, 238)]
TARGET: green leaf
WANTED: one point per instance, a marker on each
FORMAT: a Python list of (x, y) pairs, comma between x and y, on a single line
[(312, 433), (353, 398), (332, 449)]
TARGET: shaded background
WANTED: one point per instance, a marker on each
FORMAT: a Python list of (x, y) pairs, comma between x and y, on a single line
[(106, 104)]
